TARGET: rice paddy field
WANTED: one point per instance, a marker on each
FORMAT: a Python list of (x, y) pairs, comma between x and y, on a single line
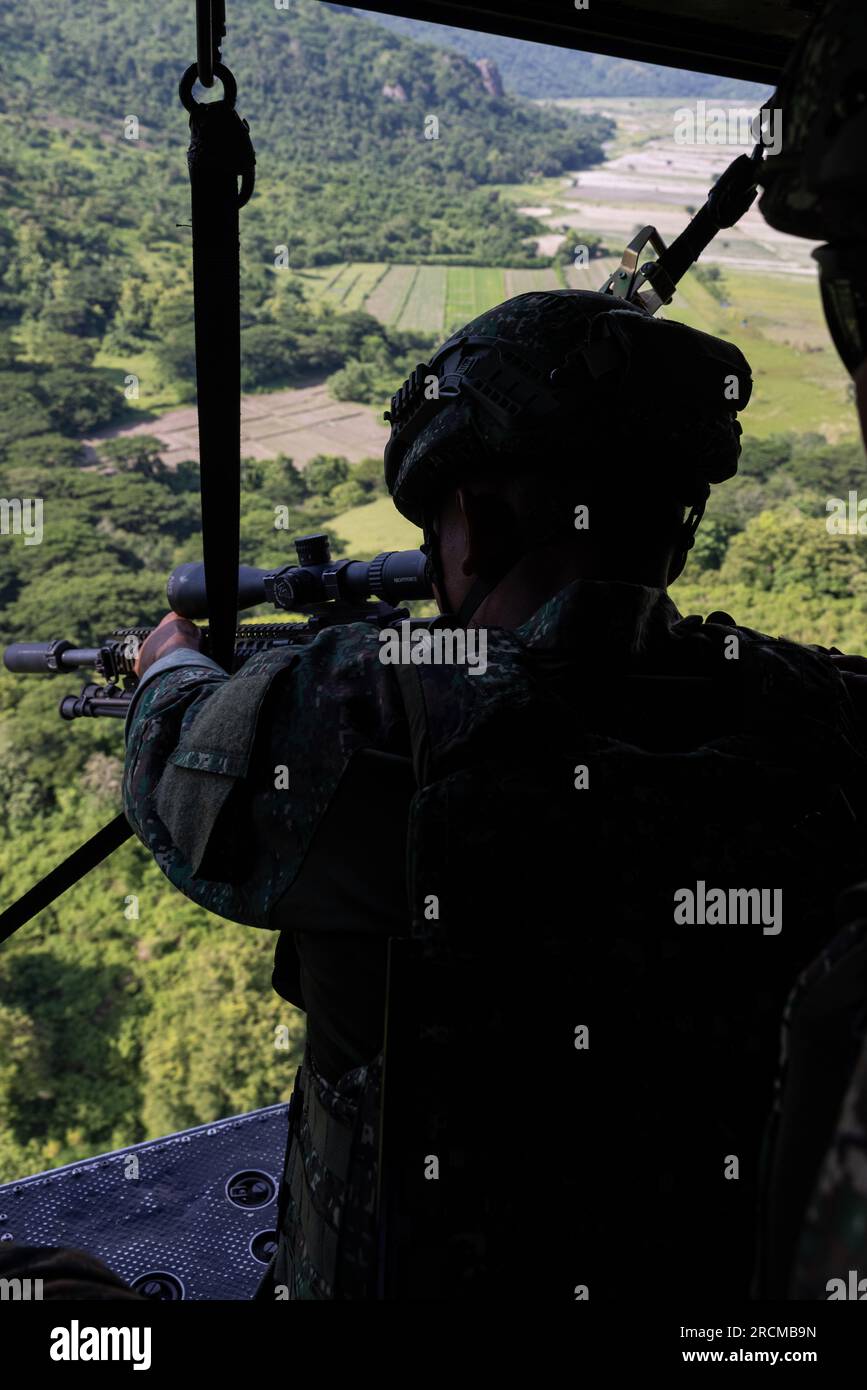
[(776, 319), (424, 298), (766, 299)]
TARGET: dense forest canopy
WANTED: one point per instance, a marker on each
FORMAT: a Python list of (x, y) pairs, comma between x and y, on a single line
[(93, 221), (337, 108)]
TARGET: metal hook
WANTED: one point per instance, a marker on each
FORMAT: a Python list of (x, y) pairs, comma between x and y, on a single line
[(188, 81), (628, 280)]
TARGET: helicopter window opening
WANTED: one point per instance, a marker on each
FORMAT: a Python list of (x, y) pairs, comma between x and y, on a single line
[(97, 271)]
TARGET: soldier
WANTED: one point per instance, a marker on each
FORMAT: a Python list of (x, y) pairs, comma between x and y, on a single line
[(815, 1207), (559, 892)]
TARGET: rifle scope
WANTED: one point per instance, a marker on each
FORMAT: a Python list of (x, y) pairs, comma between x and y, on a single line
[(393, 576)]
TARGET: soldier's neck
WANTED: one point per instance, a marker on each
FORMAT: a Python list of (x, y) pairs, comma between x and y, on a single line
[(540, 574)]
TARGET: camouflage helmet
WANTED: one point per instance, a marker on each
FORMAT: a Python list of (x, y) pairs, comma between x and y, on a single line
[(816, 185), (568, 366)]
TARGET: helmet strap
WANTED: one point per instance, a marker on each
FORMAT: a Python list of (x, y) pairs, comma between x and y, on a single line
[(485, 584), (686, 537), (691, 525), (478, 591)]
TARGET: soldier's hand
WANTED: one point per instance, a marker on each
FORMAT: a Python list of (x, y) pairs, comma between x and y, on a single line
[(173, 632)]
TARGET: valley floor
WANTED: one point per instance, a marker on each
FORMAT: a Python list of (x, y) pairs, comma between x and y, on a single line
[(767, 299)]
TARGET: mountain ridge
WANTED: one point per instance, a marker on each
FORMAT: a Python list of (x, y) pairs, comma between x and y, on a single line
[(537, 70)]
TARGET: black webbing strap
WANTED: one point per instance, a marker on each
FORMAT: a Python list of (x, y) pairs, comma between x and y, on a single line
[(79, 863), (412, 695), (731, 196), (210, 32), (220, 151)]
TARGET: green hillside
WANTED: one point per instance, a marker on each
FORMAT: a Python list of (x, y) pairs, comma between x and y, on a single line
[(94, 236), (540, 70), (337, 108)]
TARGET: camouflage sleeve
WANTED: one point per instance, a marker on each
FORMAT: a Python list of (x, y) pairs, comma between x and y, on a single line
[(163, 710), (228, 778)]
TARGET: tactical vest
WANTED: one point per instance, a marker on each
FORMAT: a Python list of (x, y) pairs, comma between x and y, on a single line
[(813, 1194), (575, 1080), (326, 1210)]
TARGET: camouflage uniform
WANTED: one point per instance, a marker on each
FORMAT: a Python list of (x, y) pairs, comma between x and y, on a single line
[(815, 185), (815, 1213), (700, 768), (833, 1244), (814, 1205)]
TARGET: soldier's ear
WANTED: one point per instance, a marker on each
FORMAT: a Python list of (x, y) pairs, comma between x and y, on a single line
[(490, 528), (459, 526)]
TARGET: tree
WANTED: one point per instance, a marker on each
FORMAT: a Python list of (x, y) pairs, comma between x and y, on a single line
[(82, 300), (783, 548), (348, 494), (711, 541), (293, 483), (49, 345), (49, 450), (357, 381), (8, 349), (761, 458), (79, 401), (135, 453), (174, 334), (325, 471), (370, 473), (22, 414), (211, 1043), (267, 355)]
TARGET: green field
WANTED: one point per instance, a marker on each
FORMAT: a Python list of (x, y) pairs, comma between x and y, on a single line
[(524, 281), (388, 299), (424, 303), (373, 527), (786, 308), (541, 191), (345, 286), (591, 276), (155, 394), (471, 290), (776, 319), (427, 298)]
